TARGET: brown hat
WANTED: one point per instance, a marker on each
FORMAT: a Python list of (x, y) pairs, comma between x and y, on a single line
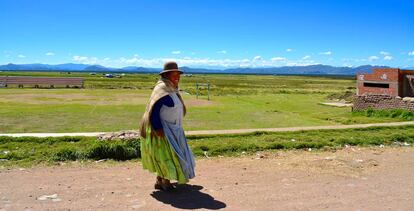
[(170, 67)]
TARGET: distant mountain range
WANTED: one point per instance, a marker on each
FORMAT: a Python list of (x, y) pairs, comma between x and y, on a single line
[(305, 70)]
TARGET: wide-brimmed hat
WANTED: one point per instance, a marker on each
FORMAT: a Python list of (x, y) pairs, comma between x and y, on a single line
[(170, 67)]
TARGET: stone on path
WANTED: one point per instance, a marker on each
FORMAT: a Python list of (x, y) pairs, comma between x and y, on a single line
[(53, 197)]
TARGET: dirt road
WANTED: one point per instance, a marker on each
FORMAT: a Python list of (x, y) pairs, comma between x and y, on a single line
[(348, 179)]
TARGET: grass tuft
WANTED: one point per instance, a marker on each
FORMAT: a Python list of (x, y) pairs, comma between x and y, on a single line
[(117, 150), (392, 113), (31, 150)]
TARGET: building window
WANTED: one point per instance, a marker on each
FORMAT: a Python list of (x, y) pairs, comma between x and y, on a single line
[(377, 85)]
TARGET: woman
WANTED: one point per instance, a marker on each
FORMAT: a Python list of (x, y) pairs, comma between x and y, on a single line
[(164, 148)]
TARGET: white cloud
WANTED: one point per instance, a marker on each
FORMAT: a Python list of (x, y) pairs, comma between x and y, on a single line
[(306, 57), (256, 61), (80, 58), (257, 58), (188, 61), (357, 60), (130, 61), (373, 58), (411, 53), (384, 53), (289, 50), (388, 58), (134, 60), (176, 52), (86, 60), (222, 51), (21, 56), (326, 53), (278, 59), (50, 54)]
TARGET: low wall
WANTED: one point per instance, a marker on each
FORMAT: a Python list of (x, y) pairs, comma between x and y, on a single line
[(380, 102)]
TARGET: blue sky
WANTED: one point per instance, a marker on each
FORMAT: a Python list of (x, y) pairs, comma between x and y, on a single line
[(208, 33)]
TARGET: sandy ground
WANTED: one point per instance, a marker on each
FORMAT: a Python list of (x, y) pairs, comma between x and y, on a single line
[(349, 179)]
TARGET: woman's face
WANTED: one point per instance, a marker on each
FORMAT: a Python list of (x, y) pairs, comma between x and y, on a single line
[(174, 77)]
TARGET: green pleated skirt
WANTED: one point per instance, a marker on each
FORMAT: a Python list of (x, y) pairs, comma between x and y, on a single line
[(159, 157)]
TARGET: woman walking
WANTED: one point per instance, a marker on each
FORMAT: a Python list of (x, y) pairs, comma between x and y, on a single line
[(164, 148)]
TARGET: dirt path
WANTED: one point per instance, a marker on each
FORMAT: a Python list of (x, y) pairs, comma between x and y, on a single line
[(234, 131), (348, 179)]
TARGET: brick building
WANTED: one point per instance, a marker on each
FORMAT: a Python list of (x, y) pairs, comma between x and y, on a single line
[(385, 88)]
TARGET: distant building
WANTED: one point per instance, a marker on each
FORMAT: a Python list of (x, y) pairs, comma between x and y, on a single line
[(38, 82), (385, 88), (387, 81), (109, 75)]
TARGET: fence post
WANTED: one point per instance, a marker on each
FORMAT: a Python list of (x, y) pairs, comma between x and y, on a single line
[(197, 90), (208, 91)]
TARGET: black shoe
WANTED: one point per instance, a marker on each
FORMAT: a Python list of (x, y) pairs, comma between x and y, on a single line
[(158, 186), (164, 187)]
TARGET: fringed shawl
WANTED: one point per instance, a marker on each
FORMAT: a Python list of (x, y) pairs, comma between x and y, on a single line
[(162, 88)]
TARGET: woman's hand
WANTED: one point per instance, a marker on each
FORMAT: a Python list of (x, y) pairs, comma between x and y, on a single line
[(159, 133)]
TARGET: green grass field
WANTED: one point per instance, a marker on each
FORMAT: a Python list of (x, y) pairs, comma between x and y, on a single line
[(237, 101), (30, 151)]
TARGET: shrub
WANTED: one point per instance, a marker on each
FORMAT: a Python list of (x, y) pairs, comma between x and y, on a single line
[(393, 113), (66, 154), (118, 150), (204, 148), (18, 155), (48, 140), (70, 139)]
